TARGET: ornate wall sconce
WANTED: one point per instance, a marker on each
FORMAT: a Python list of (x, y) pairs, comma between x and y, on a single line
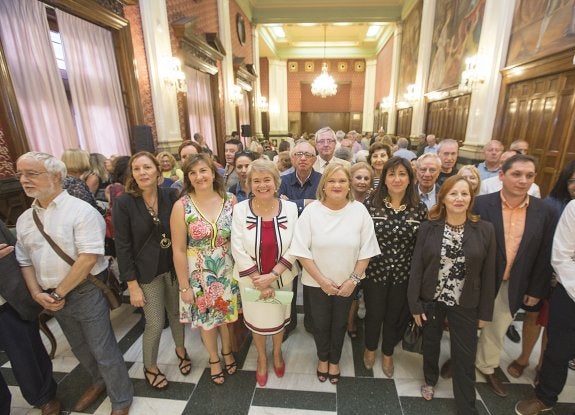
[(174, 77), (471, 75), (236, 96)]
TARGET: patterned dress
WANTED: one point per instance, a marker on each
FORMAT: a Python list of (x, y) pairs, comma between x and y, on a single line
[(210, 266)]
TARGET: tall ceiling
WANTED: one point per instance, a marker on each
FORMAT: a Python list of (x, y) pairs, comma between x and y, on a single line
[(318, 28)]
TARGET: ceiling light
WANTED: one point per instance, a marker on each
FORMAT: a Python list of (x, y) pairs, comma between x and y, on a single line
[(373, 31), (278, 32), (324, 85)]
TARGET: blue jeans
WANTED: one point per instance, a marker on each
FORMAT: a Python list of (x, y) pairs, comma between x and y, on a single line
[(85, 321)]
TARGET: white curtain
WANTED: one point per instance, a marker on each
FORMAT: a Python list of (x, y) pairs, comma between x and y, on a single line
[(94, 85), (200, 108), (37, 83)]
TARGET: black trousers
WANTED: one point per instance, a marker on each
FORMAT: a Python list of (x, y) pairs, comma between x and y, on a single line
[(384, 308), (308, 324), (560, 347), (329, 315), (30, 362), (463, 334)]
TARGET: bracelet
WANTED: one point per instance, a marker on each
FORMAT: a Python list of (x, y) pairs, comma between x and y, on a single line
[(354, 278), (56, 296), (183, 290), (275, 273)]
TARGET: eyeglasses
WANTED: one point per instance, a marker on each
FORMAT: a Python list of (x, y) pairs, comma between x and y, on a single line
[(571, 181), (29, 174), (303, 154), (328, 141)]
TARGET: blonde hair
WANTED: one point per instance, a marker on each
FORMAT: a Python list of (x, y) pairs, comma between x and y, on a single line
[(170, 157), (329, 171), (475, 172), (263, 166), (77, 161)]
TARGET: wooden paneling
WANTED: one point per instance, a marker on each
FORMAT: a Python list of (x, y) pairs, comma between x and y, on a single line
[(537, 104), (313, 121), (403, 122), (448, 118)]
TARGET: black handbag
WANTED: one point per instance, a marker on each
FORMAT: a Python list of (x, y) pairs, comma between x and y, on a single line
[(413, 338)]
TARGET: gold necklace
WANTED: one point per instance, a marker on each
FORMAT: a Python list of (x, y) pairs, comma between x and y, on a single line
[(388, 205), (268, 210)]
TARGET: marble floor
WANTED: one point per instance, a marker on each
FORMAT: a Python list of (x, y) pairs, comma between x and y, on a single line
[(359, 391)]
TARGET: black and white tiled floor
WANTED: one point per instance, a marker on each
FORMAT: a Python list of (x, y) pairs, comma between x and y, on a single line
[(360, 391)]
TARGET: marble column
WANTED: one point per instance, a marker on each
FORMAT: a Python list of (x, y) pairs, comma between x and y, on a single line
[(278, 101), (423, 63), (491, 56), (225, 36), (369, 95)]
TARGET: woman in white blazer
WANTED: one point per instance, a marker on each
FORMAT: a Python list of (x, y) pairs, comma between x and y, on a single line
[(262, 230)]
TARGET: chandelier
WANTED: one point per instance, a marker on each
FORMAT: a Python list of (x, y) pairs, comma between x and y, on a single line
[(324, 85)]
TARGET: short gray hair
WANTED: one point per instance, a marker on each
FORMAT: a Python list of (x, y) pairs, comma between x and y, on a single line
[(52, 165), (402, 142), (447, 141), (424, 156)]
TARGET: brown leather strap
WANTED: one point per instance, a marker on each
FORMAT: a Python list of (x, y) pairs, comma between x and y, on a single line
[(65, 256)]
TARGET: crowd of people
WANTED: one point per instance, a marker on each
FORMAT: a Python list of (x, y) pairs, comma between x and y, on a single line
[(201, 243)]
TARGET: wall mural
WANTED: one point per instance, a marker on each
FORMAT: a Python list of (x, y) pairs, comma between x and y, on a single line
[(409, 49), (541, 28), (456, 33)]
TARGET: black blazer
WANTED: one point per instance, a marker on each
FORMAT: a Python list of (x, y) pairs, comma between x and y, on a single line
[(136, 237), (479, 250), (531, 270), (12, 286)]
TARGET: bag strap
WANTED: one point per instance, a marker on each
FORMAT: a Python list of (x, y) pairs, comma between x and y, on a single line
[(67, 258)]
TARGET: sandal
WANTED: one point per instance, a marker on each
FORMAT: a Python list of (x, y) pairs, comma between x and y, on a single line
[(427, 392), (322, 376), (232, 367), (185, 364), (154, 382), (217, 376), (516, 369), (334, 378)]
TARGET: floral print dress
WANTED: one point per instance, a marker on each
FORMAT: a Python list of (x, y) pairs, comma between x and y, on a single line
[(210, 266)]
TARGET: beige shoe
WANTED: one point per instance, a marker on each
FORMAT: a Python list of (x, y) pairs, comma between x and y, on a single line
[(368, 359), (387, 369)]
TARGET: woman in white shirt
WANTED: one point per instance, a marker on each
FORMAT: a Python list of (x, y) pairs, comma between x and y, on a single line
[(334, 240)]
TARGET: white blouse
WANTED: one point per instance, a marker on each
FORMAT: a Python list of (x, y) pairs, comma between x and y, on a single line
[(334, 239)]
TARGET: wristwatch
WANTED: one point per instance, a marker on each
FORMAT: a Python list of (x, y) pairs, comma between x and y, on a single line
[(56, 296)]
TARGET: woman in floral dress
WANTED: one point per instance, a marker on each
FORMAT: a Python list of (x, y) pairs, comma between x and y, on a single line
[(201, 225)]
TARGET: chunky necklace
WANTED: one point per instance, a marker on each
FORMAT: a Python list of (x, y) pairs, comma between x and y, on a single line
[(456, 227), (388, 205)]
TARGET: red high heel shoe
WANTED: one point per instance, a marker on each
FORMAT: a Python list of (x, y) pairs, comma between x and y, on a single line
[(262, 379), (280, 371)]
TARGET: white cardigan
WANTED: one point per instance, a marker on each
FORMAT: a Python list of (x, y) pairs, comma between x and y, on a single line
[(246, 235)]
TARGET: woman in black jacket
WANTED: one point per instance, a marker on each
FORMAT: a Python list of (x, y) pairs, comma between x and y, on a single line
[(453, 275), (141, 218)]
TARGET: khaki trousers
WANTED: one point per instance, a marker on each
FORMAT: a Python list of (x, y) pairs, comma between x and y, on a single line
[(492, 335)]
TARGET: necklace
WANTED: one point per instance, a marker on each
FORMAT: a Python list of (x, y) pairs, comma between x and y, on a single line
[(388, 205), (265, 210), (165, 242)]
